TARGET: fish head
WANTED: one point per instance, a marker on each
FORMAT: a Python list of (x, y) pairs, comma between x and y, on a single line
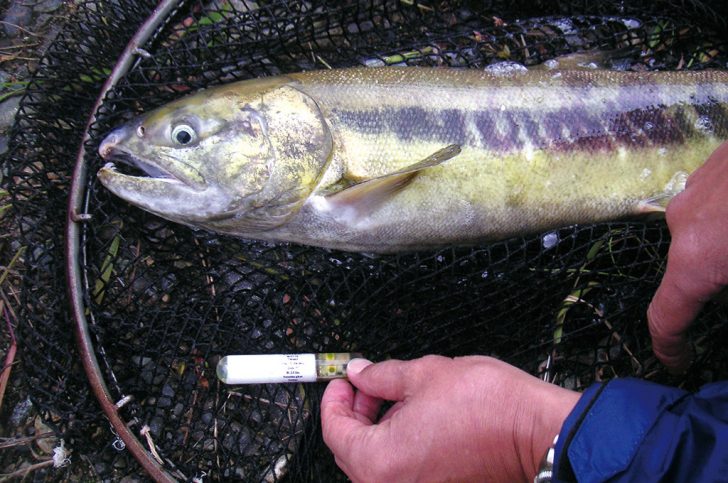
[(239, 158)]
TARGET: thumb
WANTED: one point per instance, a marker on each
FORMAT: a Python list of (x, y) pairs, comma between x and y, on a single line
[(388, 380)]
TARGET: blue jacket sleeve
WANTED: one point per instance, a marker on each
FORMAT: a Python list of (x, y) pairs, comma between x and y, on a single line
[(631, 430)]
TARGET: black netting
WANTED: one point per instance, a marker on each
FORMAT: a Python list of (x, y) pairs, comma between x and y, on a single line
[(165, 303)]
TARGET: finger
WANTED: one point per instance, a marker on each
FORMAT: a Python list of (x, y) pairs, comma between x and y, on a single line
[(340, 425), (367, 406), (669, 341), (673, 308), (392, 411)]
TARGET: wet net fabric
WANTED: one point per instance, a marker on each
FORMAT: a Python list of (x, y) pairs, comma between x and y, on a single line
[(164, 303)]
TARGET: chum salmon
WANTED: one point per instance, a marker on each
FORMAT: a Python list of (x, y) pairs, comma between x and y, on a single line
[(400, 159)]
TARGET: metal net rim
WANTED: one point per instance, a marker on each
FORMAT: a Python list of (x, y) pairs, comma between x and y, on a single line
[(75, 233)]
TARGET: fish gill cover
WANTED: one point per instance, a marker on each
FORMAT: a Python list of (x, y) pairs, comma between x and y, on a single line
[(164, 303)]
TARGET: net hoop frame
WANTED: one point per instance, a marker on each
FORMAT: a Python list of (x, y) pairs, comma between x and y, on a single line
[(77, 215)]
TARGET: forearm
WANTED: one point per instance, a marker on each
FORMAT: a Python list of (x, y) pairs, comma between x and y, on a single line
[(632, 430)]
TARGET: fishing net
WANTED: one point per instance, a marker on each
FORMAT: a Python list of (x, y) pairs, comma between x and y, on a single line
[(163, 303)]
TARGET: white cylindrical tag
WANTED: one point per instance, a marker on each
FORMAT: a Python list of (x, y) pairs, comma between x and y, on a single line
[(267, 368)]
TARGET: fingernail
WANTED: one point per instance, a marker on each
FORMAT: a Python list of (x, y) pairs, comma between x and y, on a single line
[(355, 366)]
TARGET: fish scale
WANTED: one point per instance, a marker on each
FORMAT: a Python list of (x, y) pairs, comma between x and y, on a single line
[(504, 154)]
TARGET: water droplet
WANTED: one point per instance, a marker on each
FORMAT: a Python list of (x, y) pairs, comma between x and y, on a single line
[(648, 126), (621, 64), (704, 124), (551, 64), (588, 65), (662, 151), (631, 23), (506, 68), (484, 274), (677, 183), (374, 62), (550, 240), (440, 258), (565, 25), (646, 173)]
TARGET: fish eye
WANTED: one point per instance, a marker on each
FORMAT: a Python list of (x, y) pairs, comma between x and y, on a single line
[(183, 134)]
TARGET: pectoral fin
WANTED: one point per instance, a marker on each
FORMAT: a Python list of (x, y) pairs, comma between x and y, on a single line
[(658, 203), (362, 198), (655, 204), (434, 159)]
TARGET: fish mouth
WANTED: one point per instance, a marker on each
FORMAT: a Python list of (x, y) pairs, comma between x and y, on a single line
[(156, 189), (129, 165)]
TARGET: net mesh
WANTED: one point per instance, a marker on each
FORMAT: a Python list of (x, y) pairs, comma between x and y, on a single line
[(164, 303)]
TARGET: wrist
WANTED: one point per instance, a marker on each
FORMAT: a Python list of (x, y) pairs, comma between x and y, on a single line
[(549, 407), (545, 472)]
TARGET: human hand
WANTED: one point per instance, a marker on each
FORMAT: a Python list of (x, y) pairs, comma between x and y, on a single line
[(468, 418), (697, 261)]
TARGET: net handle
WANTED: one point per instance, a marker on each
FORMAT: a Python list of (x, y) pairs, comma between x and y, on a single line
[(76, 217)]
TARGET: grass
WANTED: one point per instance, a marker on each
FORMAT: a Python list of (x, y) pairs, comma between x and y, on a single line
[(107, 269), (10, 89)]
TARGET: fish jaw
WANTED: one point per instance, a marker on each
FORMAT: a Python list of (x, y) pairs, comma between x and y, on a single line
[(172, 190), (165, 196)]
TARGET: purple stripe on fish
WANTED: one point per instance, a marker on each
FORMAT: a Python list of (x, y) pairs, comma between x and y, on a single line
[(570, 129), (563, 129), (499, 131), (454, 123), (409, 123), (712, 119)]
